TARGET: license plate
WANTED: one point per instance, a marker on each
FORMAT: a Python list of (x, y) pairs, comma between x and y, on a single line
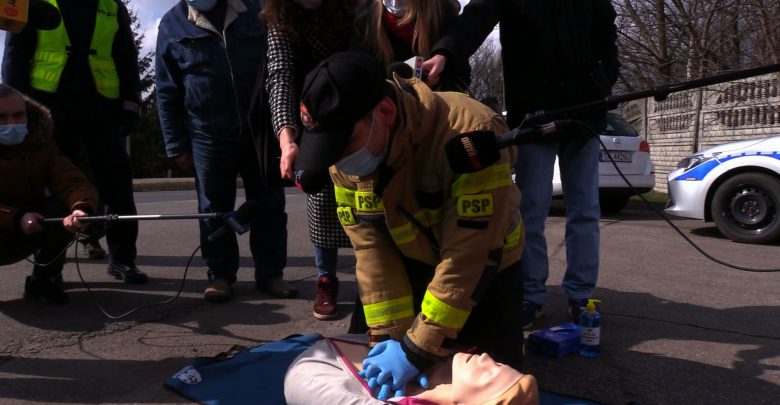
[(617, 156)]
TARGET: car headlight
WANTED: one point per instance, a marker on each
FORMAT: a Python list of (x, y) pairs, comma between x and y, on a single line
[(692, 161)]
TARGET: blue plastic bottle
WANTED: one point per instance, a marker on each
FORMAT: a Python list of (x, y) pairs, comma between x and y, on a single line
[(590, 330)]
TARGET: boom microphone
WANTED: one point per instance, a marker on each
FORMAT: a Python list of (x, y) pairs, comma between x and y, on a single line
[(235, 221), (401, 69), (311, 181), (476, 150), (37, 14)]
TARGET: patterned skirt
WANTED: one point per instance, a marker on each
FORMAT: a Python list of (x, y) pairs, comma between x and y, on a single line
[(324, 226)]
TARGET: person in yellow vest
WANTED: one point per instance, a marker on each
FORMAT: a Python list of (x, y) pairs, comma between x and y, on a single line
[(86, 72), (437, 251)]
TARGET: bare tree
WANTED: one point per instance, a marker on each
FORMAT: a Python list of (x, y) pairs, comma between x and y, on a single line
[(487, 79)]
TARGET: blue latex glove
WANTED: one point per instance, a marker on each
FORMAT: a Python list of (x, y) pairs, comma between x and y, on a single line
[(387, 369)]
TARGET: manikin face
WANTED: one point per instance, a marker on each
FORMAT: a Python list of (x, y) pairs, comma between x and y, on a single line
[(477, 378)]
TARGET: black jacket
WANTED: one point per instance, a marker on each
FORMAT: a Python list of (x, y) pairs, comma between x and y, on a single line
[(556, 53), (76, 83)]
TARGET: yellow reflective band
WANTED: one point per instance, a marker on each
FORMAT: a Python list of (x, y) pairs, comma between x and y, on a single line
[(499, 175), (387, 311), (346, 216), (513, 238), (344, 196), (475, 205), (367, 201), (408, 232), (442, 313)]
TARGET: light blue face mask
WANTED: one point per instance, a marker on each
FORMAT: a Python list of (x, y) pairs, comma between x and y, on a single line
[(362, 163), (396, 7), (13, 134), (202, 5)]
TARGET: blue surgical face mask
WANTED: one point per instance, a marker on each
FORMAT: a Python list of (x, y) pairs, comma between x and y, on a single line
[(202, 5), (13, 134), (362, 163), (396, 7)]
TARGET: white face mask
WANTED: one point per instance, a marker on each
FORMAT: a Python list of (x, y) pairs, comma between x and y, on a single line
[(309, 4), (396, 7), (362, 163)]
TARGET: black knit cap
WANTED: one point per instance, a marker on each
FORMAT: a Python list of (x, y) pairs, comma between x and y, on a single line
[(337, 93)]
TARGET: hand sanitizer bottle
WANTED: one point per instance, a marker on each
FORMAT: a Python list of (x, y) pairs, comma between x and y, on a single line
[(590, 330)]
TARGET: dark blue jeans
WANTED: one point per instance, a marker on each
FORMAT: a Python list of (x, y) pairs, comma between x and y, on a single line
[(217, 164)]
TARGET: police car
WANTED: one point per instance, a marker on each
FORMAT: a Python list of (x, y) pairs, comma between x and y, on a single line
[(737, 185)]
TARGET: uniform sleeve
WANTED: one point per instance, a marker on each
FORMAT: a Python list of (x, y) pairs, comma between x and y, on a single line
[(381, 275), (481, 234), (280, 83), (170, 98), (17, 58), (125, 55)]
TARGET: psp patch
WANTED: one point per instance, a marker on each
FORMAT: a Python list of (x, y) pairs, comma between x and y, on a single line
[(367, 201), (346, 216), (475, 205)]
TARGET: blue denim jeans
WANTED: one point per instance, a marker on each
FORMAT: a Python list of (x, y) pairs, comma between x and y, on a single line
[(217, 164), (579, 167), (325, 259)]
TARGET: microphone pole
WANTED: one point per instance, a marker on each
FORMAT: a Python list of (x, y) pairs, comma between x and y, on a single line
[(120, 218), (659, 93)]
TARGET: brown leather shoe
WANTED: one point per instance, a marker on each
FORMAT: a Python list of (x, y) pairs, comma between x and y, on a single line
[(218, 291), (277, 287), (325, 307)]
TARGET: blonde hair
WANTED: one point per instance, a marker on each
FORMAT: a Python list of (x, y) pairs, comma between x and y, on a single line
[(428, 17)]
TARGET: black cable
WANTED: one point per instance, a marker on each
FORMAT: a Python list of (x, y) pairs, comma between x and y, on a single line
[(662, 215), (167, 301)]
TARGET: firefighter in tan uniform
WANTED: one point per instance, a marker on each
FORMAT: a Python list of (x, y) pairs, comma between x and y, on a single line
[(437, 252)]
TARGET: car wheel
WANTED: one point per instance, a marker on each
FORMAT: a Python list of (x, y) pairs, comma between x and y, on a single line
[(746, 208), (613, 203)]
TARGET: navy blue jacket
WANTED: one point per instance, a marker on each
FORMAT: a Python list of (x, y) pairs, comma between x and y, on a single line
[(204, 78)]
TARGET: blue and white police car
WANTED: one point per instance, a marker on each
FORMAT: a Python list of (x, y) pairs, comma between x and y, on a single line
[(736, 185)]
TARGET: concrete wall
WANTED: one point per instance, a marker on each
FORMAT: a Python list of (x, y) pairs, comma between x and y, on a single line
[(689, 121)]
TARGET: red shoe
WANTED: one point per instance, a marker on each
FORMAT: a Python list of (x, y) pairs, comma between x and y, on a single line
[(325, 307)]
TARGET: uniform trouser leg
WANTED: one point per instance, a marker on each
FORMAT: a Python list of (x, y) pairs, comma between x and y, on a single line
[(112, 173), (533, 174), (493, 325), (268, 232), (579, 165)]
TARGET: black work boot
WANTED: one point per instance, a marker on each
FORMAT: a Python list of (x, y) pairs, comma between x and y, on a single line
[(46, 290), (128, 273)]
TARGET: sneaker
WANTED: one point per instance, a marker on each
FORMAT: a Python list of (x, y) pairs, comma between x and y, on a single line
[(92, 250), (277, 287), (218, 291), (327, 293), (531, 312), (44, 290), (129, 273), (576, 307)]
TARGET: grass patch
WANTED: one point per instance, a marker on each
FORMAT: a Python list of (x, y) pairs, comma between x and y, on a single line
[(654, 197)]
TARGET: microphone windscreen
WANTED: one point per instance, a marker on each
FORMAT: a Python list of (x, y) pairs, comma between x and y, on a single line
[(311, 181), (42, 15), (472, 151), (246, 212), (401, 69)]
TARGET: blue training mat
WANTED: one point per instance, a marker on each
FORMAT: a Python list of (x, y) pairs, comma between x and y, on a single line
[(256, 376)]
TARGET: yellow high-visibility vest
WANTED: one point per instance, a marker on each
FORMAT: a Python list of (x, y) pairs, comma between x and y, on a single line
[(52, 52)]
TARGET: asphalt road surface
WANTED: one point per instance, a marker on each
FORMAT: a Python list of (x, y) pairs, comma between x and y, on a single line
[(677, 328)]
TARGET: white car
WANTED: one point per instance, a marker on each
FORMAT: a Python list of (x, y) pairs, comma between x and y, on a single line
[(631, 153), (737, 185)]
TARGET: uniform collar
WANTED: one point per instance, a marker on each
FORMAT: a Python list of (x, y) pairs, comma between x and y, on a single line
[(234, 8), (417, 118)]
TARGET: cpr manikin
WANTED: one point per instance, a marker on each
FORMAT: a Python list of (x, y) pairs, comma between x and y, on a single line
[(327, 373)]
